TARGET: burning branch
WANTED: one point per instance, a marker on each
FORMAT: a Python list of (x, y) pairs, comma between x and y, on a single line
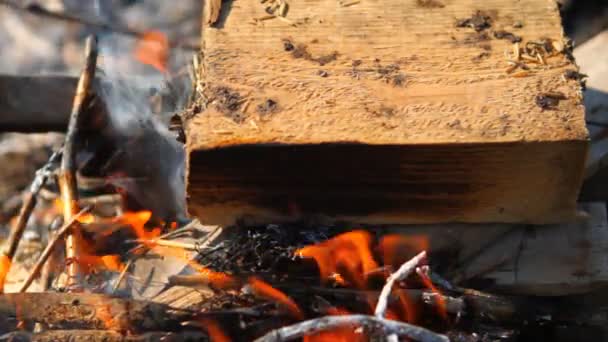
[(29, 202), (67, 176), (50, 247), (317, 325)]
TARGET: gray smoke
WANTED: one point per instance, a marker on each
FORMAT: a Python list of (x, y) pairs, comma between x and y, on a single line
[(148, 163)]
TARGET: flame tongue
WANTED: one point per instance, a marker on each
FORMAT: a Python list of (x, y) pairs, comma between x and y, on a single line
[(347, 255)]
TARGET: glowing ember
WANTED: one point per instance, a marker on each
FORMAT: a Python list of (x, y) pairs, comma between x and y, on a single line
[(264, 290), (5, 266), (153, 49), (347, 255)]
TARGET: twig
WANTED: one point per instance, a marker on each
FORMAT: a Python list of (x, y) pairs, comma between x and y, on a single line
[(330, 322), (29, 203), (121, 276), (49, 248), (167, 243), (38, 10), (401, 274), (67, 177)]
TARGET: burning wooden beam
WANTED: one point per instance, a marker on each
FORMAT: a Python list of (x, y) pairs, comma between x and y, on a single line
[(392, 112)]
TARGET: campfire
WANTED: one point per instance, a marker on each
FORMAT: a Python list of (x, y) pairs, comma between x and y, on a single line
[(103, 246)]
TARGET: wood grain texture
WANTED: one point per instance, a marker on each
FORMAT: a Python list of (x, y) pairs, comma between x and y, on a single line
[(461, 138)]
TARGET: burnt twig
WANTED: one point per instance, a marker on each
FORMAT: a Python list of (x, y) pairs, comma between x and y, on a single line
[(67, 177), (29, 202), (330, 322), (50, 247)]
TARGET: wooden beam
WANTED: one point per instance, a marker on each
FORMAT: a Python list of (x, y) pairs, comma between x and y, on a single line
[(386, 112)]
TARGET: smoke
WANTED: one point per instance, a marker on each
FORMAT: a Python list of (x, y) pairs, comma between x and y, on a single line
[(147, 162)]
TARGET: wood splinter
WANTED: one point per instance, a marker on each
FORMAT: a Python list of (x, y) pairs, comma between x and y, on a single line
[(67, 176)]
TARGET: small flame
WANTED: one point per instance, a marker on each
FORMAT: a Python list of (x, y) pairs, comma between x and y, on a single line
[(82, 218), (215, 332), (264, 290), (347, 255), (5, 266), (137, 220), (397, 249), (153, 49)]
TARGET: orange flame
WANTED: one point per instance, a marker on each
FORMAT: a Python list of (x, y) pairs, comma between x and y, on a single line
[(397, 249), (441, 303), (347, 255), (264, 290), (137, 220), (153, 49), (5, 266), (215, 332)]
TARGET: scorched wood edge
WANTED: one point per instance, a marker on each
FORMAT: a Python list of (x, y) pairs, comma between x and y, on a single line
[(393, 111)]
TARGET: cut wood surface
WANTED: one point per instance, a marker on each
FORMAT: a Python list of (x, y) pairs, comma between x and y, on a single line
[(387, 111)]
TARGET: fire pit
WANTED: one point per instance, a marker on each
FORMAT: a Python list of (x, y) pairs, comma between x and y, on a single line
[(303, 257)]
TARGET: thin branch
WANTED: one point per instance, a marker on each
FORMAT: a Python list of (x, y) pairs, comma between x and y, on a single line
[(167, 243), (68, 186), (401, 274), (38, 10), (29, 203), (317, 325), (50, 247)]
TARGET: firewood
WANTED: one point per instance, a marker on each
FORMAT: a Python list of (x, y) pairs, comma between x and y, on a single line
[(385, 113)]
